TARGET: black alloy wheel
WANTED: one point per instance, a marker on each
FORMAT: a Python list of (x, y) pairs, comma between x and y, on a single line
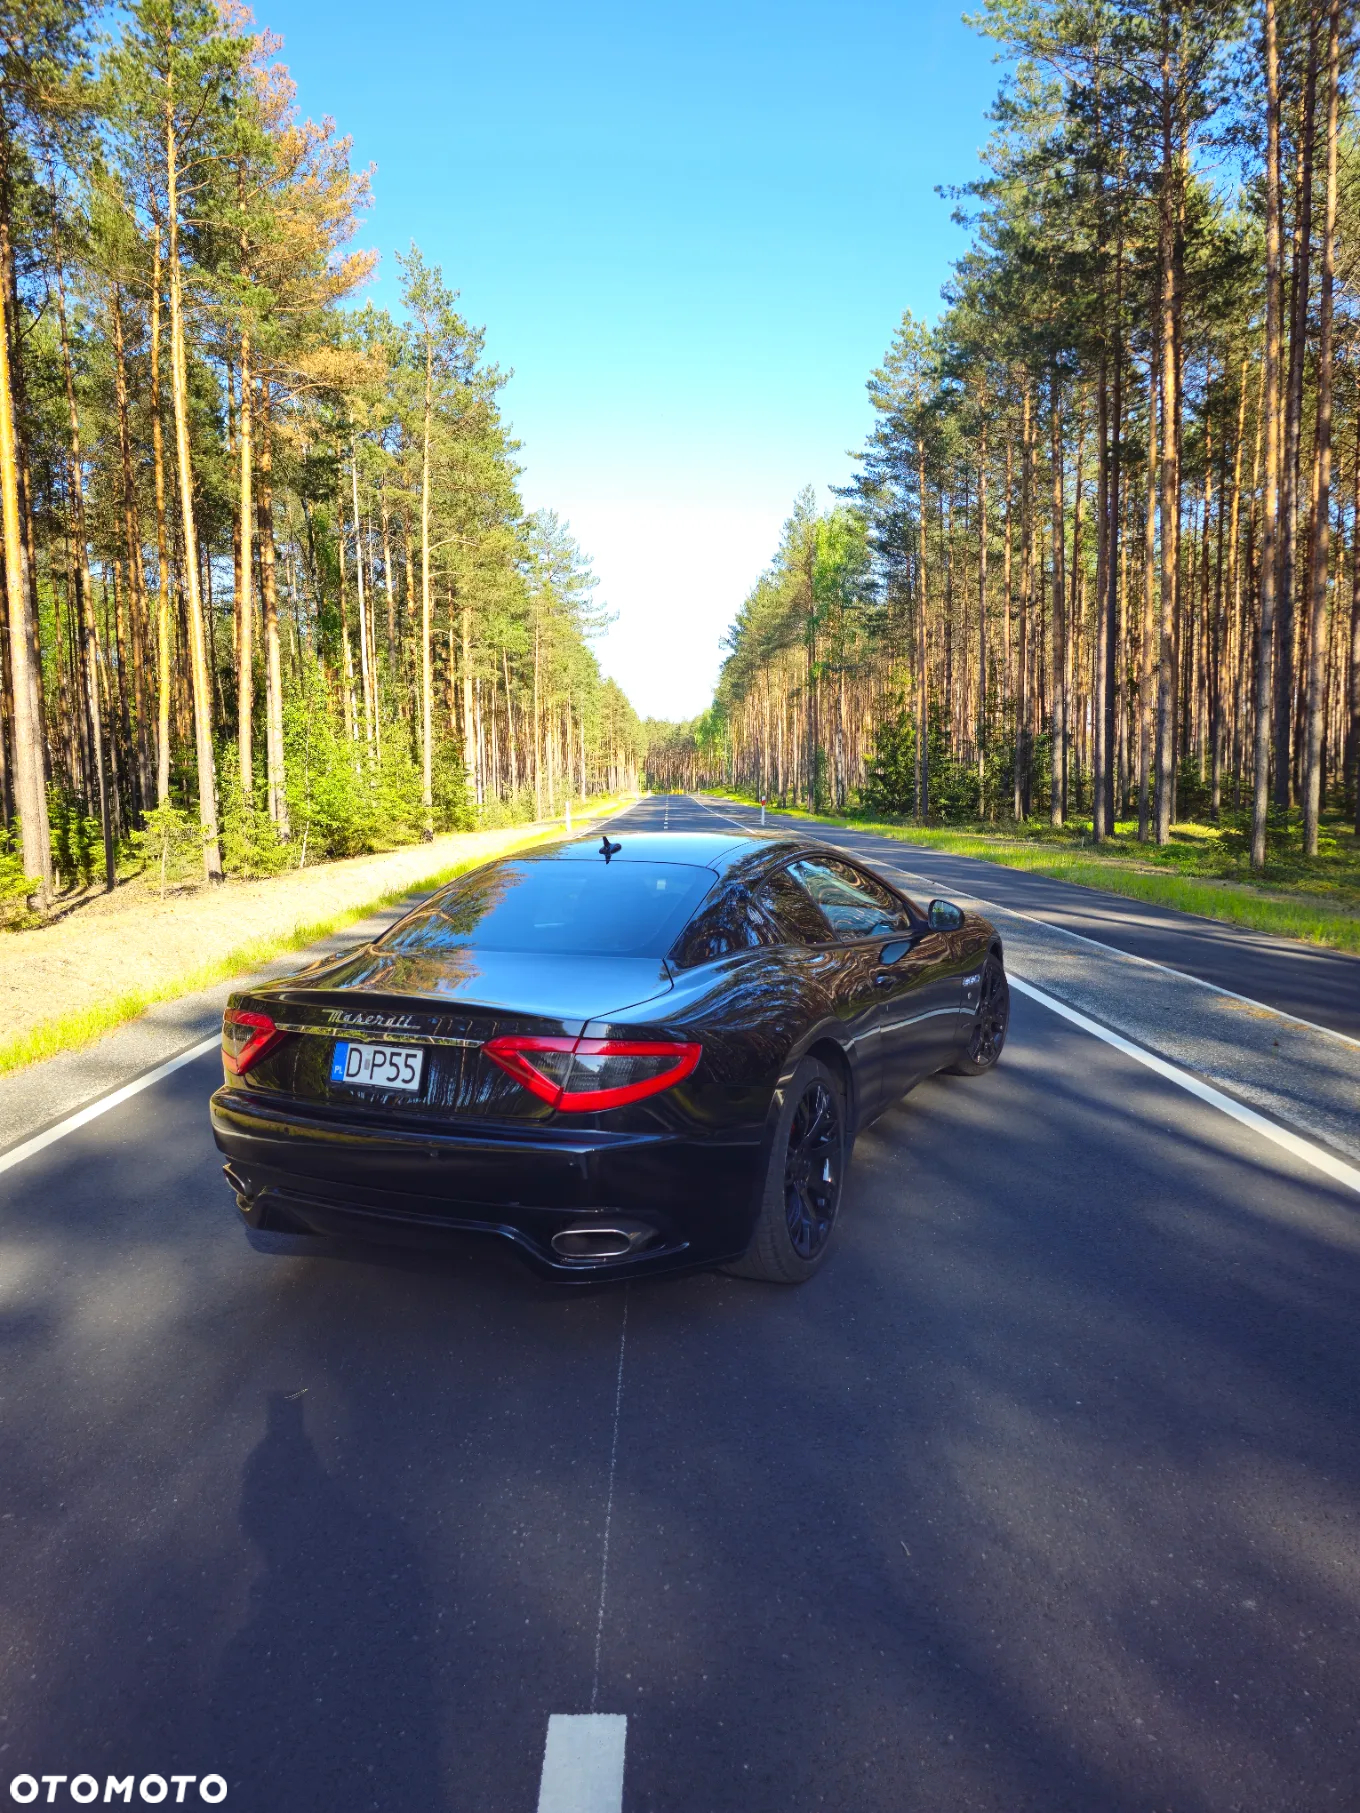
[(812, 1165), (801, 1194), (987, 1034)]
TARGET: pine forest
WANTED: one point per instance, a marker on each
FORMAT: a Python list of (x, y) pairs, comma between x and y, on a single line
[(1100, 560), (271, 593)]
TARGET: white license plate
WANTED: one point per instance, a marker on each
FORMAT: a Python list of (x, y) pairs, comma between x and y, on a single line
[(377, 1066)]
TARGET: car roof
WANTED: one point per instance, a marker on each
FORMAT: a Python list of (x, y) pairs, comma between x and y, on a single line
[(718, 850)]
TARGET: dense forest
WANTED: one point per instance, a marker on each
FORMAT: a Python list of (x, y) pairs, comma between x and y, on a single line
[(1100, 556), (271, 592)]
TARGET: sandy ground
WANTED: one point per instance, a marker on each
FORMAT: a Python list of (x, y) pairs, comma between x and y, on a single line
[(106, 946)]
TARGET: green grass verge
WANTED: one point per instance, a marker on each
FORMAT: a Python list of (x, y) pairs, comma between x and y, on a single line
[(1315, 903), (69, 1032)]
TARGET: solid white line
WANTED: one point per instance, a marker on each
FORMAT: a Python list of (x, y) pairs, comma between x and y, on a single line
[(83, 1116), (583, 1763), (1166, 968), (1099, 944), (1317, 1156), (609, 1501)]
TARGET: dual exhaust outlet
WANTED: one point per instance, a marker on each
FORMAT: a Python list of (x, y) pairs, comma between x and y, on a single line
[(599, 1243), (584, 1245)]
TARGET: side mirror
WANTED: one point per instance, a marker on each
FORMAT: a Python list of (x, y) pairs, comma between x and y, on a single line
[(944, 916)]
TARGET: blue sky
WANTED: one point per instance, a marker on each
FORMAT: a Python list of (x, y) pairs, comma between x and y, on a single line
[(689, 230)]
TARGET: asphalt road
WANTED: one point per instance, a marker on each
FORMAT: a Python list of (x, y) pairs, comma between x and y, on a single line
[(1042, 1495), (1308, 980)]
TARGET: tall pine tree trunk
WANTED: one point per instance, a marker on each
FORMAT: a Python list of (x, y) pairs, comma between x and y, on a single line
[(364, 663), (245, 609), (1075, 611), (84, 595), (273, 665), (1057, 621), (132, 542), (982, 619), (1270, 411), (426, 673), (1007, 564), (1353, 728), (1318, 613), (1022, 674), (179, 396), (922, 644), (470, 763), (1287, 586), (1169, 485), (536, 747), (391, 591), (346, 646), (163, 600), (1108, 610), (30, 791)]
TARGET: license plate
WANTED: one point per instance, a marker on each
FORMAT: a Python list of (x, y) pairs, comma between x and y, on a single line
[(377, 1066)]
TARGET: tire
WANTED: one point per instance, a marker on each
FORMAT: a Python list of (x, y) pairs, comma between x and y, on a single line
[(801, 1194), (987, 1035)]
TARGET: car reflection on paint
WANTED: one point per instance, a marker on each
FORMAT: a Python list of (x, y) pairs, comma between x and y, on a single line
[(644, 1055)]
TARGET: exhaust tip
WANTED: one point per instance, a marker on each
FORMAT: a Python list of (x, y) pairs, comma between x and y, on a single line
[(599, 1243), (245, 1195)]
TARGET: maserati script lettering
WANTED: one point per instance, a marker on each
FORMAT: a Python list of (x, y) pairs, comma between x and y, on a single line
[(389, 1022)]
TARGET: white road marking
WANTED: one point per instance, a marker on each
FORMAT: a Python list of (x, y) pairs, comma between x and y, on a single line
[(92, 1111), (608, 1508), (1317, 1156), (1150, 962), (739, 823), (1096, 943), (583, 1763)]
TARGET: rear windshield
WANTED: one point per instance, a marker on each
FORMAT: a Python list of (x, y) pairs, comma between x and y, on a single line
[(616, 909)]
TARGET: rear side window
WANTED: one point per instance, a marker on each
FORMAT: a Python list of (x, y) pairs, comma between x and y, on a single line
[(616, 909), (855, 905), (795, 913), (731, 923)]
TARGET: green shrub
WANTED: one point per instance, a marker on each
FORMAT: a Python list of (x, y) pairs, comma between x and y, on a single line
[(170, 842), (77, 840), (15, 885), (251, 846)]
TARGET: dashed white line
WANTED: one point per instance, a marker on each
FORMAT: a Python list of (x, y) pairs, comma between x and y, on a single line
[(609, 1502), (92, 1111), (583, 1763), (1317, 1156)]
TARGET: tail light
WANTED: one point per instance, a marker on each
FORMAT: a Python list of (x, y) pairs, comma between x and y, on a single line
[(577, 1076), (246, 1037)]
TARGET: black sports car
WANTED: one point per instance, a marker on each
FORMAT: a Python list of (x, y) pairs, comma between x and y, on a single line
[(643, 1055)]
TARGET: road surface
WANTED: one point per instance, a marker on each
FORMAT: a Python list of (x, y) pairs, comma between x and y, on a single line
[(1306, 980), (1042, 1495)]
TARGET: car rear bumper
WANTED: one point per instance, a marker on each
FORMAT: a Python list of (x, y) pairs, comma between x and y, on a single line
[(682, 1202)]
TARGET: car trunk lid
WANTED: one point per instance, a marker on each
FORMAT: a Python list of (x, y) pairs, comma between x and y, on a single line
[(449, 1007)]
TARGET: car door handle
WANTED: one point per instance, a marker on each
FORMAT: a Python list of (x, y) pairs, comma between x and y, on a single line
[(884, 979)]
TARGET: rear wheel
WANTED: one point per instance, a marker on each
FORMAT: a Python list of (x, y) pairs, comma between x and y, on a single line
[(802, 1189), (987, 1034)]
